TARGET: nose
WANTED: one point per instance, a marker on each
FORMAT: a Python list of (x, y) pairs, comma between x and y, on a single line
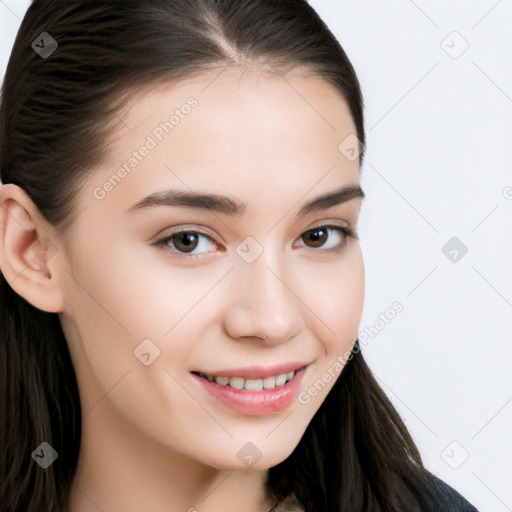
[(263, 302)]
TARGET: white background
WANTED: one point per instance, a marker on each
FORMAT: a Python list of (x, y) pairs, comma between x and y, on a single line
[(437, 166)]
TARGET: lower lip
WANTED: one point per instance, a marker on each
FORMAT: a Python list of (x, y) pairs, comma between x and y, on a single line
[(255, 403)]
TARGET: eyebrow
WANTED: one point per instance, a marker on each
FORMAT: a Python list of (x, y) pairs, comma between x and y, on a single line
[(235, 207)]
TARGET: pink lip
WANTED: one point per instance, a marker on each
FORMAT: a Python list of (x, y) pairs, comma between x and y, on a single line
[(254, 403), (258, 371)]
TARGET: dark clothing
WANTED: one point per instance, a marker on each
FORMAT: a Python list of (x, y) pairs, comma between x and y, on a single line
[(453, 499)]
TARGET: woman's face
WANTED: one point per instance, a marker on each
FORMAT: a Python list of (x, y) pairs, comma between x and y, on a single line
[(249, 288)]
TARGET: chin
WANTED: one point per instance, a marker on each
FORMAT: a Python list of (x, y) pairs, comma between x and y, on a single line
[(250, 459)]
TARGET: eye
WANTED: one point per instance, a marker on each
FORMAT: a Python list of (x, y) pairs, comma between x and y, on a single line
[(319, 234), (182, 244), (185, 242)]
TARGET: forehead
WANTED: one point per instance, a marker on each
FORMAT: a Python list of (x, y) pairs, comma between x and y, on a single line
[(238, 106), (231, 132)]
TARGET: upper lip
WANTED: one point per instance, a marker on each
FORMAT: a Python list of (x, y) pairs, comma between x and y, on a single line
[(258, 372)]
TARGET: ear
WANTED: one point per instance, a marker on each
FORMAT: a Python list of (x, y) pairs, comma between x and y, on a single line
[(29, 250)]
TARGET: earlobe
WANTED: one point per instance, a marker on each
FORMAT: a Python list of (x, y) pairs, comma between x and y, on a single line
[(26, 251)]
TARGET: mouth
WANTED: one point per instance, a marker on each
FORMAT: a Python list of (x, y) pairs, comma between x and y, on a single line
[(240, 391)]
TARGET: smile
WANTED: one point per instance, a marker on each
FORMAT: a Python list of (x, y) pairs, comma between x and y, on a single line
[(252, 396)]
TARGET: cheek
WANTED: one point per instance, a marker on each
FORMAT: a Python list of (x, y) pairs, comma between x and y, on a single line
[(336, 295), (155, 292), (110, 298), (121, 304), (339, 305), (132, 295)]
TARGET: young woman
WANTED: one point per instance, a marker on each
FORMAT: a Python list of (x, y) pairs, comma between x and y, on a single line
[(182, 282)]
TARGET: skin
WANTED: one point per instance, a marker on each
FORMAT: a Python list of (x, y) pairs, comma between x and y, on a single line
[(152, 438)]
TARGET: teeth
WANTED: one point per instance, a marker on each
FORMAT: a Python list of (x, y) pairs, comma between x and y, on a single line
[(252, 384), (237, 382), (281, 379), (269, 382)]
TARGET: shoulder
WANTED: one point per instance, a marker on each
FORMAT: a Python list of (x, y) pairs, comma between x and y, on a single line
[(450, 499)]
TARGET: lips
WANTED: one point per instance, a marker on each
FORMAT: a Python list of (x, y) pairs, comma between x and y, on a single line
[(249, 401)]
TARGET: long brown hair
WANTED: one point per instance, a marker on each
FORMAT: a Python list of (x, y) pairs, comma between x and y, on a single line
[(56, 114)]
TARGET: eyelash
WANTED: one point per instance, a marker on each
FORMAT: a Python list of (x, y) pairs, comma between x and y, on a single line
[(163, 243)]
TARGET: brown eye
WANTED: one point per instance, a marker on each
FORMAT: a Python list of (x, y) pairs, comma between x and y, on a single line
[(318, 236), (185, 241)]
